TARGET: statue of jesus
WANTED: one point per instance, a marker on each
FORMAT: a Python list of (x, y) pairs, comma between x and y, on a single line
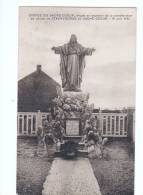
[(72, 63)]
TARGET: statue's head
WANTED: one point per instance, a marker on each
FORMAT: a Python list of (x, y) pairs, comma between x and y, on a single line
[(73, 39)]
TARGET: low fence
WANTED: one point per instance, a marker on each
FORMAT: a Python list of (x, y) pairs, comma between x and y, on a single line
[(111, 124), (28, 122)]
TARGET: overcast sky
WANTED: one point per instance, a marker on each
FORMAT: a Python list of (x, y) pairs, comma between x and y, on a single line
[(109, 75)]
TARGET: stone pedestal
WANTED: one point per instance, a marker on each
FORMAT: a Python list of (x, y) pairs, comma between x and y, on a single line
[(73, 105), (72, 112), (79, 95)]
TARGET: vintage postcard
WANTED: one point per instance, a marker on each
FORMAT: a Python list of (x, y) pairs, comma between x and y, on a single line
[(76, 100)]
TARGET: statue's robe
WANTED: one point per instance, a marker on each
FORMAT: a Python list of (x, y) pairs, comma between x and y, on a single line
[(72, 64)]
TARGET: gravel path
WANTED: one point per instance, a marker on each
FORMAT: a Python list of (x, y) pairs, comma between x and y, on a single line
[(71, 177)]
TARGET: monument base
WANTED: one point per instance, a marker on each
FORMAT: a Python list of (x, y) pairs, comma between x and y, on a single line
[(79, 95), (75, 90), (73, 110)]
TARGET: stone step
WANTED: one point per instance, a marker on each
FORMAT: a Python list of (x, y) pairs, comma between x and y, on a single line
[(80, 153)]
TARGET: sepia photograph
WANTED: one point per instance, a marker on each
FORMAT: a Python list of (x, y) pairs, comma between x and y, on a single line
[(76, 100)]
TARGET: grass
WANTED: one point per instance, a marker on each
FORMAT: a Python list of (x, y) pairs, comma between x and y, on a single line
[(115, 175), (32, 168)]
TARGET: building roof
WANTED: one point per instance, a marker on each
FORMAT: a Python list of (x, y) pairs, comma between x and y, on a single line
[(36, 91)]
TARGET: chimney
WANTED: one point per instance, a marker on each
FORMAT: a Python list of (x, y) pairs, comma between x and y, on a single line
[(39, 67)]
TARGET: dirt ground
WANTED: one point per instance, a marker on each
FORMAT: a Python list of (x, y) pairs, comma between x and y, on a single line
[(115, 174)]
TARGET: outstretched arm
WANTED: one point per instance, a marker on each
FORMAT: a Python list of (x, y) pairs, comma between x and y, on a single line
[(88, 51), (58, 50)]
